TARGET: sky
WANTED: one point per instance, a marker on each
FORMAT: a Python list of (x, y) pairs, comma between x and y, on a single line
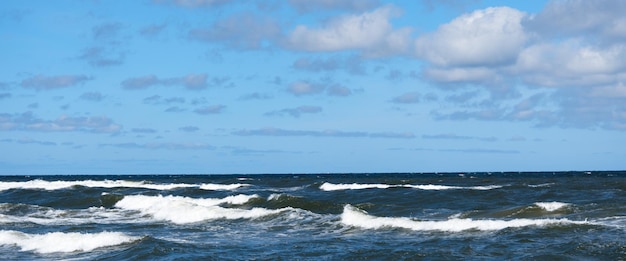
[(317, 86)]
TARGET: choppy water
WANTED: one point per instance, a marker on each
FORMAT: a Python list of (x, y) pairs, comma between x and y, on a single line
[(524, 216)]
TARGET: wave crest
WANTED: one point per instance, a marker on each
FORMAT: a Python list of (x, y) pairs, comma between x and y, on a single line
[(358, 218), (63, 242)]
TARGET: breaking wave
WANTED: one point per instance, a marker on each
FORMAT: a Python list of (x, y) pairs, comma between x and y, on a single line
[(63, 242), (358, 218), (551, 206), (56, 185), (182, 210)]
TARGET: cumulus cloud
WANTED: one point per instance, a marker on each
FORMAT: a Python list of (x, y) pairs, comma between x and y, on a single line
[(369, 32), (602, 19), (241, 31), (296, 112), (492, 36), (42, 82), (27, 121), (326, 133), (573, 50)]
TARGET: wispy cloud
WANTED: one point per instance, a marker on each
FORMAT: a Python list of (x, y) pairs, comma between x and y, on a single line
[(407, 98), (349, 5), (240, 31), (157, 146), (451, 136), (189, 81), (189, 129), (92, 96), (27, 121), (211, 109), (296, 112), (326, 133), (42, 82)]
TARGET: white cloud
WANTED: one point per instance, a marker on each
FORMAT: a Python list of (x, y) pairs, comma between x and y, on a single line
[(492, 36), (571, 63), (602, 19), (370, 32)]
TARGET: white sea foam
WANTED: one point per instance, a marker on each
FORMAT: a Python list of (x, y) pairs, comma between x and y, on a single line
[(355, 217), (63, 242), (274, 196), (55, 185), (222, 186), (181, 210), (551, 206), (49, 216), (332, 187)]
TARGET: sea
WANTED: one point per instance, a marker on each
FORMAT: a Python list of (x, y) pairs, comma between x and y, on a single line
[(375, 216)]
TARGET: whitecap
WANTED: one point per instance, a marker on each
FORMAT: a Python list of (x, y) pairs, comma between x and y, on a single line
[(182, 210), (222, 186), (59, 184), (63, 242), (551, 206), (358, 218), (331, 187)]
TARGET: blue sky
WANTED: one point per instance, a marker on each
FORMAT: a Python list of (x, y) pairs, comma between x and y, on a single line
[(293, 86)]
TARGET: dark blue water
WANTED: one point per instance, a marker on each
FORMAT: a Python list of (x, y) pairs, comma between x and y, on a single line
[(480, 216)]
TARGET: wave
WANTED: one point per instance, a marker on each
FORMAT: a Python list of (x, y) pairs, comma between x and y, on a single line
[(222, 186), (551, 206), (63, 242), (56, 185), (23, 213), (332, 187), (358, 218), (183, 210)]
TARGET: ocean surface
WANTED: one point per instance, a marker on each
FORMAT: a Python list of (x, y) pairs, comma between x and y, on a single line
[(400, 216)]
